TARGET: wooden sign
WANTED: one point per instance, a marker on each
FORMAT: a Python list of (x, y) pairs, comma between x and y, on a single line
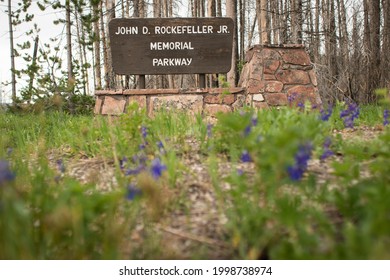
[(171, 45)]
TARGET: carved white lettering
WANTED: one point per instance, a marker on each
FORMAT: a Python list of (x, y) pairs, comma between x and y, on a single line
[(223, 29), (160, 46), (184, 29), (171, 62), (128, 30)]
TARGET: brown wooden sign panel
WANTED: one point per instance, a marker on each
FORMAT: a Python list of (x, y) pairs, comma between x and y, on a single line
[(171, 45)]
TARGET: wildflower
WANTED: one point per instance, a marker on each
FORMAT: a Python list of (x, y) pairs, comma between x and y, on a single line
[(291, 98), (301, 105), (245, 156), (350, 114), (144, 131), (157, 168), (132, 192), (247, 130), (327, 152), (122, 163), (295, 172), (160, 147), (209, 130), (60, 165), (254, 120), (325, 114), (301, 159), (134, 171), (142, 146), (6, 174), (386, 117)]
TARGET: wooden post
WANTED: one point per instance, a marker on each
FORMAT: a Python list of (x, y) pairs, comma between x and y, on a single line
[(141, 81), (202, 80)]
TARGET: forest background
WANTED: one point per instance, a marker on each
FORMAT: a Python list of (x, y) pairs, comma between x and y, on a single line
[(347, 40)]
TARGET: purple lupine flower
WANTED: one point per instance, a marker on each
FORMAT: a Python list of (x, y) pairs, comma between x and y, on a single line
[(60, 165), (301, 159), (291, 97), (144, 131), (327, 151), (160, 147), (132, 192), (240, 172), (209, 130), (142, 146), (141, 160), (254, 120), (245, 157), (247, 130), (295, 172), (350, 114), (6, 174), (301, 105), (157, 168), (135, 171), (122, 163), (325, 114), (386, 117)]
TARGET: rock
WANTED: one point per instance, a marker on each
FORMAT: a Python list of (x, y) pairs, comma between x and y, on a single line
[(293, 77), (113, 105), (190, 103), (276, 99), (258, 97), (214, 109)]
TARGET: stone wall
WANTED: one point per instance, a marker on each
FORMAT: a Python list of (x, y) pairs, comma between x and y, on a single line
[(203, 101), (271, 77), (279, 76)]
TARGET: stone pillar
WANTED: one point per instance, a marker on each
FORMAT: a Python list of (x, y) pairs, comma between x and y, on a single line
[(279, 76)]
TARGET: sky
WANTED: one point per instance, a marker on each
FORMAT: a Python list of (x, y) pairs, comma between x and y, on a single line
[(44, 20)]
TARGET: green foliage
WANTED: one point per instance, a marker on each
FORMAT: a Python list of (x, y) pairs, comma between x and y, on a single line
[(272, 216), (337, 210), (47, 218)]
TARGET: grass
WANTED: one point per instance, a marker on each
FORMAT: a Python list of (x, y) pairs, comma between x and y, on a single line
[(340, 212)]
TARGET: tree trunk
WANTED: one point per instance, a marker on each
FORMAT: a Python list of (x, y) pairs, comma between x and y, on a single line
[(219, 8), (275, 22), (33, 66), (356, 84), (211, 8), (231, 11), (374, 13), (80, 43), (69, 44), (11, 43), (317, 32), (96, 31), (110, 75), (332, 42), (296, 21), (242, 29), (386, 44), (262, 18), (367, 49)]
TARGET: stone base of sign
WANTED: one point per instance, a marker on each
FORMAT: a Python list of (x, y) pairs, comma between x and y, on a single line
[(272, 76), (195, 101)]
